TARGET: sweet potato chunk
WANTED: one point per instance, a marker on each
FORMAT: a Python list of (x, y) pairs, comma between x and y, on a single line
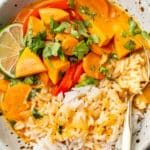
[(29, 64), (56, 67), (54, 13)]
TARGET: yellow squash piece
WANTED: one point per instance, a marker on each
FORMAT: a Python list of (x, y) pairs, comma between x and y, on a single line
[(4, 85), (37, 25), (91, 64), (14, 103), (29, 64), (54, 13), (44, 78), (55, 68), (101, 24), (68, 42), (120, 42)]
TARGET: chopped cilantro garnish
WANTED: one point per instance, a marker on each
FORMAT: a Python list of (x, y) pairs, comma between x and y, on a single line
[(114, 56), (53, 49), (71, 4), (58, 28), (80, 50), (36, 114), (35, 43), (60, 128), (124, 34), (93, 39), (81, 28), (53, 25), (103, 70), (87, 23), (146, 35), (12, 122), (75, 33), (130, 45), (33, 93), (88, 81), (64, 25), (133, 27), (14, 82), (92, 68), (32, 80), (85, 10), (110, 78)]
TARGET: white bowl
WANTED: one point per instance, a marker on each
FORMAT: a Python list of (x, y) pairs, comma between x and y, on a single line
[(8, 9)]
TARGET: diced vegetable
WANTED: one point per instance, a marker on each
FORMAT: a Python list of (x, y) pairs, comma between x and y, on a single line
[(55, 67), (33, 93), (70, 79), (29, 64), (32, 80), (104, 36), (101, 50), (33, 10), (44, 78), (24, 15), (35, 43), (91, 64), (96, 49), (68, 42), (4, 85), (87, 81), (36, 24), (124, 46), (54, 13), (93, 8), (36, 114), (53, 49), (14, 103), (80, 50), (103, 70)]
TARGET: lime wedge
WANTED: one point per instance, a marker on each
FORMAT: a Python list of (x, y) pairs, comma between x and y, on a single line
[(10, 45)]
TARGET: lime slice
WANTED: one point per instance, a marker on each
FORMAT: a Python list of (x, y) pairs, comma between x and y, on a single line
[(10, 45)]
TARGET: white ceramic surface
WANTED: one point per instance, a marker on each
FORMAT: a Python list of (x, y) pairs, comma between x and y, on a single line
[(8, 8)]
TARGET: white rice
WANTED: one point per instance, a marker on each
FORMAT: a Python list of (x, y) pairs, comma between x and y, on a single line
[(92, 117)]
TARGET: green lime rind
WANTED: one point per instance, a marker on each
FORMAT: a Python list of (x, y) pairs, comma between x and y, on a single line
[(7, 29), (7, 73)]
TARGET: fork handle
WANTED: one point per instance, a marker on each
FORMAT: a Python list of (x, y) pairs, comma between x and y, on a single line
[(127, 131)]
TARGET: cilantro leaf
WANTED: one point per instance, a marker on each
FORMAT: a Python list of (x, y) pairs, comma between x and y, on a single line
[(71, 4), (103, 70), (64, 25), (53, 49), (32, 80), (33, 93), (36, 114), (130, 45), (133, 27), (146, 35), (35, 43), (53, 25), (85, 10), (93, 39), (88, 81), (81, 28), (75, 33), (87, 23), (80, 50)]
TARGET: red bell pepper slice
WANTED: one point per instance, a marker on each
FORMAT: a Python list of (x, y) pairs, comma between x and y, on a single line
[(70, 79), (33, 10)]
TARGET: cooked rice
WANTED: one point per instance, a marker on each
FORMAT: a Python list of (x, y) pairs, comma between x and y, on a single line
[(91, 117)]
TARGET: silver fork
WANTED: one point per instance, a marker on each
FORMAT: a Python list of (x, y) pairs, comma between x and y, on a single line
[(127, 131)]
